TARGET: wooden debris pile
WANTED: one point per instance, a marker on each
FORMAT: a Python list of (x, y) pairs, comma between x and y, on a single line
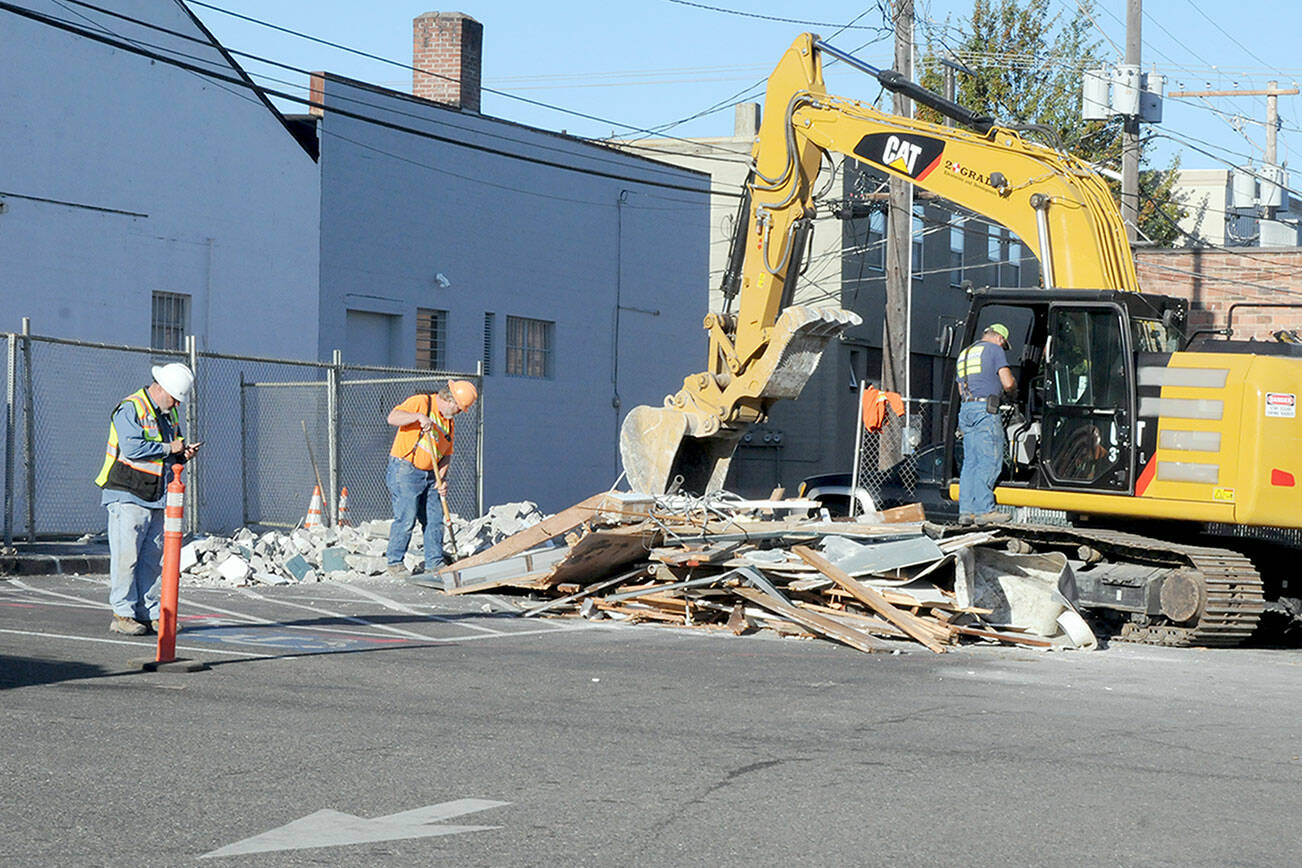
[(727, 564)]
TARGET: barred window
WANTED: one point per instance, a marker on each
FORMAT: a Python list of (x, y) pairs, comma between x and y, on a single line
[(170, 321), (490, 321), (431, 339), (529, 347)]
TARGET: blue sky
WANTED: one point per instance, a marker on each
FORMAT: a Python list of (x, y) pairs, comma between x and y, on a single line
[(649, 64)]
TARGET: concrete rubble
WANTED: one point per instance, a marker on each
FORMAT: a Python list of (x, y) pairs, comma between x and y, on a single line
[(337, 554)]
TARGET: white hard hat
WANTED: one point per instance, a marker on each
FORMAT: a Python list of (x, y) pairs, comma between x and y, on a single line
[(175, 378)]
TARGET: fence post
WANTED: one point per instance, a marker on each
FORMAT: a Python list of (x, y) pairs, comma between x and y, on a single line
[(29, 430), (11, 400), (244, 457), (192, 418), (332, 432), (858, 448), (479, 444)]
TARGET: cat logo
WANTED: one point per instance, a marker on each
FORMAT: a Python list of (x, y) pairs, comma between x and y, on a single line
[(908, 155)]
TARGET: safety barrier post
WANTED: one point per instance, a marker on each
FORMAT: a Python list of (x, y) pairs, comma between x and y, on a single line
[(169, 597)]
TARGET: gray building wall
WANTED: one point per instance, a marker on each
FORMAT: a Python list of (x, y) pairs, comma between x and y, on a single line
[(127, 176), (519, 222)]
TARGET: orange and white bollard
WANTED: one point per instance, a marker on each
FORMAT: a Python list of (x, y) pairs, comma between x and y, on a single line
[(170, 591), (341, 520), (169, 597), (314, 509)]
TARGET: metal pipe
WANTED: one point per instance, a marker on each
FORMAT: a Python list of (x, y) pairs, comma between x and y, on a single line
[(11, 400), (29, 430), (194, 485), (332, 433), (1040, 203), (479, 443)]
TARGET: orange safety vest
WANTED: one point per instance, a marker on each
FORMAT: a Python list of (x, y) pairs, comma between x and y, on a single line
[(875, 403), (423, 451)]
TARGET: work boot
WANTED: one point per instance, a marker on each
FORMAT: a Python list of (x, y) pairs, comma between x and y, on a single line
[(157, 624), (398, 571), (992, 517), (965, 519), (127, 626)]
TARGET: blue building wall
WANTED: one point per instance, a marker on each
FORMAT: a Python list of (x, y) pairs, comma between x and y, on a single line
[(155, 178), (519, 222)]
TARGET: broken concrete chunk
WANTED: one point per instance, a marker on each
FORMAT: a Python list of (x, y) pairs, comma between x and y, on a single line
[(298, 568), (333, 560), (189, 556), (233, 569)]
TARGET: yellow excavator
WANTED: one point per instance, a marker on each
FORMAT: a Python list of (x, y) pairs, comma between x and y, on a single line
[(1121, 425)]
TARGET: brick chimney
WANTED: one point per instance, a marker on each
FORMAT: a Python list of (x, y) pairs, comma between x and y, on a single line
[(447, 51)]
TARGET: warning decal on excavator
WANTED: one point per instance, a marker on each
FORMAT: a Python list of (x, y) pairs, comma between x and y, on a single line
[(914, 156), (1282, 405)]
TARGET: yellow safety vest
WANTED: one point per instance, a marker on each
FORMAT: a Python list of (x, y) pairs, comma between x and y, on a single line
[(134, 475)]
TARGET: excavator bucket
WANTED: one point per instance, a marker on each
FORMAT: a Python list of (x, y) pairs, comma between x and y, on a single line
[(658, 445)]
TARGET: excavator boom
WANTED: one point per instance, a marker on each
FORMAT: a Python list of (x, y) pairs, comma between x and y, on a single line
[(768, 349)]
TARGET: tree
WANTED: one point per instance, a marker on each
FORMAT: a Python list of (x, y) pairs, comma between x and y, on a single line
[(1022, 64)]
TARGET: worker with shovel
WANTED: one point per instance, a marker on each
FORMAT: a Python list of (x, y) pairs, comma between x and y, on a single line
[(418, 466)]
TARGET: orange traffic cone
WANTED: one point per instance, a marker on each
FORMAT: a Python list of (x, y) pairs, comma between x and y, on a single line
[(341, 520), (314, 509)]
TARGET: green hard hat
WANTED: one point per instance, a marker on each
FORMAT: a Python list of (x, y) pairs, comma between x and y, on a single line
[(999, 329)]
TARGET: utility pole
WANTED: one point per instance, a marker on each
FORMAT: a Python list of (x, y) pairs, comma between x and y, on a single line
[(1130, 132), (1272, 93), (899, 231), (899, 249)]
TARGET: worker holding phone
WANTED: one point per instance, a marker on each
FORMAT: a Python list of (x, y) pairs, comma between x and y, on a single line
[(145, 441)]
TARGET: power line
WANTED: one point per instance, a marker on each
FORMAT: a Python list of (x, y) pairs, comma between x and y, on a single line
[(172, 61), (802, 23)]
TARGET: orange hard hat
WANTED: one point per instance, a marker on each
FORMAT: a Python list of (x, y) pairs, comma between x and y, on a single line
[(463, 392)]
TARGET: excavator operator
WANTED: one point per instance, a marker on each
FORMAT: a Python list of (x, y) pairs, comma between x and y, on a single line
[(983, 376)]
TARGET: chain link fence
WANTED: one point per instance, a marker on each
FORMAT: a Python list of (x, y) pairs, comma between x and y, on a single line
[(892, 459), (264, 423)]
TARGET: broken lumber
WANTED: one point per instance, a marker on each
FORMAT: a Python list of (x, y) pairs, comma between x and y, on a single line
[(819, 624), (871, 598)]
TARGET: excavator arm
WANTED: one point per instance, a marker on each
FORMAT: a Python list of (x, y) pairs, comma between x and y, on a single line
[(768, 349)]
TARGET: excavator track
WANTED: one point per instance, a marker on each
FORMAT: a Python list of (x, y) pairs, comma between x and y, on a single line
[(1232, 590)]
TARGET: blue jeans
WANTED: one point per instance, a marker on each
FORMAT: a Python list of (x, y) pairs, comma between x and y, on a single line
[(983, 457), (415, 497), (135, 537)]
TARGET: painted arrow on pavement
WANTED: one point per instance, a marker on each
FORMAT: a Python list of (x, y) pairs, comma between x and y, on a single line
[(327, 828)]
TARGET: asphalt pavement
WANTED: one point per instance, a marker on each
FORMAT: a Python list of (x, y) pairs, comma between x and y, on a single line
[(383, 724)]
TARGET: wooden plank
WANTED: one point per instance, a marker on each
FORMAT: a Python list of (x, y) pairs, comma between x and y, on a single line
[(900, 514), (565, 520), (1002, 637), (868, 623), (871, 598), (590, 589), (820, 624), (532, 581), (602, 552)]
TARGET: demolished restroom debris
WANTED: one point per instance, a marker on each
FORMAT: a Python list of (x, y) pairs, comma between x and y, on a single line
[(722, 563)]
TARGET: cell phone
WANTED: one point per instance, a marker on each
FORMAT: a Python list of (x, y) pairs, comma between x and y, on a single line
[(194, 445)]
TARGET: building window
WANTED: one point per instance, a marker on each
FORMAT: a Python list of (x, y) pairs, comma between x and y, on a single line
[(529, 347), (170, 321), (1015, 263), (431, 339), (490, 321), (919, 229), (875, 249), (956, 250)]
